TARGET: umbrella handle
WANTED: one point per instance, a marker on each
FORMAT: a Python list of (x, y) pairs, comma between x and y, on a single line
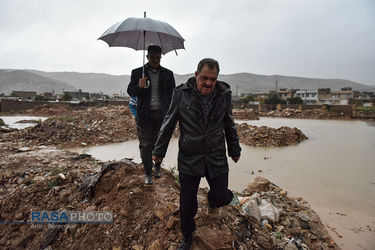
[(148, 84), (143, 65)]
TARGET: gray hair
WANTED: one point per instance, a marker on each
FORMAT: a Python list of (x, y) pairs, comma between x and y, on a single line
[(211, 63)]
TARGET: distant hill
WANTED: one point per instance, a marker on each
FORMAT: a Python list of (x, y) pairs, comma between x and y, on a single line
[(22, 80), (247, 83), (41, 81), (90, 82)]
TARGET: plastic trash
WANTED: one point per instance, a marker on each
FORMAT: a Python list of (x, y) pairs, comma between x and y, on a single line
[(268, 212), (252, 208), (235, 201)]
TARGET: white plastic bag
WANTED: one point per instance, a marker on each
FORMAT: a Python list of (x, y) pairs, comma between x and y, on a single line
[(269, 212)]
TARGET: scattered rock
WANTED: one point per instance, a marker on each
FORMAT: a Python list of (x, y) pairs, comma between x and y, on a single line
[(259, 184), (24, 149)]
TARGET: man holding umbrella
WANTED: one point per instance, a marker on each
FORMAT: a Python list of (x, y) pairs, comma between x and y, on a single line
[(153, 84)]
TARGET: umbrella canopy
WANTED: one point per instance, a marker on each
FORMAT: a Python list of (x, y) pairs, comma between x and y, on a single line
[(139, 33)]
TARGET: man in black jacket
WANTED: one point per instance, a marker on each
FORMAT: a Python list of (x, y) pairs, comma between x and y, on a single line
[(203, 108), (153, 84)]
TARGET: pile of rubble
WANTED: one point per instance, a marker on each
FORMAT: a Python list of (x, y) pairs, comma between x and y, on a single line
[(306, 114), (101, 125), (56, 109), (76, 128), (246, 114), (269, 137), (48, 179), (252, 114), (5, 130), (366, 115)]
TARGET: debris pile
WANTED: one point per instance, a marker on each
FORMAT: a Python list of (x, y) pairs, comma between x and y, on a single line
[(288, 219), (366, 114), (46, 110), (101, 125), (306, 114), (269, 137), (248, 114), (5, 130), (47, 179), (92, 126)]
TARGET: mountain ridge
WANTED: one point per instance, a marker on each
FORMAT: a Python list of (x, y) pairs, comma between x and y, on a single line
[(22, 80), (41, 81)]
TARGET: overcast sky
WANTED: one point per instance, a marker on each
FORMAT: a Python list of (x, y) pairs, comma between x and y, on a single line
[(308, 38)]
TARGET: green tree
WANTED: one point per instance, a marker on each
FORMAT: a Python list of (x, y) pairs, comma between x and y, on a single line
[(248, 99), (273, 98), (295, 100), (66, 97), (40, 98)]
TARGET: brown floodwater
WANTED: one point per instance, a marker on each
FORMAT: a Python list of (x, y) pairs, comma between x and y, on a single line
[(334, 170)]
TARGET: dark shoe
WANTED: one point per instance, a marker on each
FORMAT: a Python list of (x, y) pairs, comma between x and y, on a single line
[(157, 172), (148, 181), (147, 164), (186, 243), (214, 213)]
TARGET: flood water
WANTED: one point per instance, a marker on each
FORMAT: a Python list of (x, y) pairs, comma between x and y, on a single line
[(11, 121), (334, 170)]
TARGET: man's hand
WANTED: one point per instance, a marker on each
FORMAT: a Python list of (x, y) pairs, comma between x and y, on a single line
[(157, 159), (235, 159), (142, 82)]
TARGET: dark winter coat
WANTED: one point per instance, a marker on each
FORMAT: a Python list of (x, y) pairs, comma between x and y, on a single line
[(166, 86), (202, 132)]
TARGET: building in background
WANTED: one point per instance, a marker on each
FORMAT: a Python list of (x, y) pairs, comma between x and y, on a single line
[(24, 95)]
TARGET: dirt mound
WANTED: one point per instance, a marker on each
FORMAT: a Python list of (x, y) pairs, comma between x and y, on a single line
[(251, 114), (246, 114), (366, 115), (144, 217), (92, 126), (307, 114), (268, 137), (50, 110), (101, 125)]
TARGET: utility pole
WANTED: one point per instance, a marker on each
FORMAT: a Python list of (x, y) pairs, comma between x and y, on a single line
[(276, 86), (237, 92)]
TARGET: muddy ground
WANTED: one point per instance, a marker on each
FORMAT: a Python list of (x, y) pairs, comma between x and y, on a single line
[(37, 173)]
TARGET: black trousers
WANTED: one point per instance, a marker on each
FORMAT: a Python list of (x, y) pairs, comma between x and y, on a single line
[(149, 135), (218, 196), (147, 138)]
